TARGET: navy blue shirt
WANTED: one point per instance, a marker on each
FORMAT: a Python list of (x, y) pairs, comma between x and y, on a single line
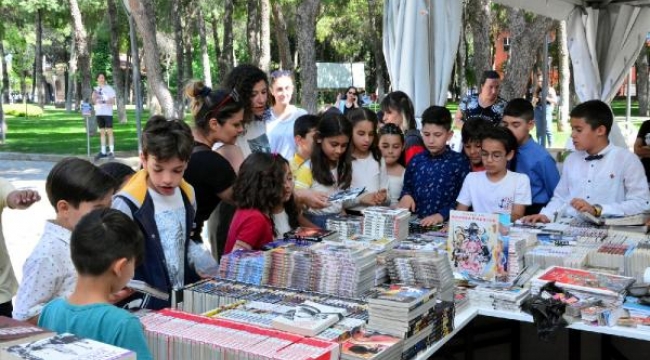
[(435, 181)]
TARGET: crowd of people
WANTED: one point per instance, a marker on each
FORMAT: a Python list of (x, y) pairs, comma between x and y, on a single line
[(253, 166)]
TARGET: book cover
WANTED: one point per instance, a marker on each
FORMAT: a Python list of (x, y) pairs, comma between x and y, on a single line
[(477, 244), (306, 233), (400, 296), (143, 287), (65, 347), (308, 318), (13, 331), (344, 195), (585, 280), (370, 344)]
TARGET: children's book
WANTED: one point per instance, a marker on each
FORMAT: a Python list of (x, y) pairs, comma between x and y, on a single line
[(13, 331), (65, 347), (477, 244)]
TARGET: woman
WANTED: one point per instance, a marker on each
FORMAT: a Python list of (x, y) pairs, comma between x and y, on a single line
[(283, 115), (397, 108), (218, 117), (348, 101)]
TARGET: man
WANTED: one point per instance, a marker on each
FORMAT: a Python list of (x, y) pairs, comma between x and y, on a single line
[(104, 97)]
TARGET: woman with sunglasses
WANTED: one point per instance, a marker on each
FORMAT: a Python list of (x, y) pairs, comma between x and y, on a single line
[(348, 101), (283, 115), (218, 117)]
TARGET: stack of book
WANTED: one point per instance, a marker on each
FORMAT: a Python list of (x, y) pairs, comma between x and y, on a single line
[(410, 313), (176, 335), (368, 344), (309, 318), (415, 227), (516, 252), (431, 241), (637, 261), (551, 255), (383, 222), (374, 244), (509, 299), (251, 267), (291, 267), (346, 271), (311, 234), (345, 225), (584, 284), (420, 268)]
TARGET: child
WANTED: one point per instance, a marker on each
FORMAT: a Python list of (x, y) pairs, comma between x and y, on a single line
[(14, 199), (74, 188), (497, 189), (265, 208), (365, 154), (303, 134), (398, 109), (532, 159), (472, 133), (282, 115), (163, 205), (105, 247), (120, 172), (433, 178), (391, 143), (330, 168), (599, 178)]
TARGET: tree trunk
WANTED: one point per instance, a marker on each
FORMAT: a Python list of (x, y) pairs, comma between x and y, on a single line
[(180, 59), (265, 34), (565, 78), (642, 81), (226, 60), (115, 60), (72, 71), (83, 57), (5, 75), (480, 21), (461, 61), (127, 83), (215, 34), (205, 58), (145, 19), (306, 20), (38, 60), (526, 37), (375, 32), (253, 31), (280, 26)]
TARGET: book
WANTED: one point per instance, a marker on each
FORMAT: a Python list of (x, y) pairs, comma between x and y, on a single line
[(309, 234), (400, 296), (14, 331), (308, 318), (65, 347), (143, 287), (369, 344), (584, 280), (344, 195)]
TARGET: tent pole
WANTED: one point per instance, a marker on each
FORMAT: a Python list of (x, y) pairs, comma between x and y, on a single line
[(628, 109)]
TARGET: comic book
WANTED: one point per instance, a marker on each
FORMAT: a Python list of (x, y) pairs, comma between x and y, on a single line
[(477, 244)]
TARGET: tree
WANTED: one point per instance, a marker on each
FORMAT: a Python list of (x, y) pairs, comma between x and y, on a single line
[(118, 77), (5, 74), (374, 19), (39, 79), (306, 19), (282, 39), (642, 81), (83, 56), (203, 43), (145, 19), (253, 30), (180, 59), (265, 35), (527, 35), (226, 61), (565, 77), (480, 21)]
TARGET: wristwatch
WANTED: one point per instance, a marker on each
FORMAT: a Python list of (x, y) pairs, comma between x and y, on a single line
[(598, 210)]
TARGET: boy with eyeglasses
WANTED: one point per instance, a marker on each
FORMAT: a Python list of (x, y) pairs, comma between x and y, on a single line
[(497, 189)]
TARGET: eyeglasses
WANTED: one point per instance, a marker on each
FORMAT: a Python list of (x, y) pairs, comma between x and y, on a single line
[(352, 93), (495, 156)]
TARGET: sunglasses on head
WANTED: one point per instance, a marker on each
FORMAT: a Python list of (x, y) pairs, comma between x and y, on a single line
[(232, 97)]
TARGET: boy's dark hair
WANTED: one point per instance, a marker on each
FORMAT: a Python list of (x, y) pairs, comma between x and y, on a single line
[(103, 236), (399, 101), (473, 129), (502, 135), (167, 139), (304, 124), (595, 113), (76, 180), (437, 115), (117, 170), (489, 74), (330, 126), (243, 79), (520, 108)]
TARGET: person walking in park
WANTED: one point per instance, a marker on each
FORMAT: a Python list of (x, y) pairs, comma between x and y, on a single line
[(104, 97)]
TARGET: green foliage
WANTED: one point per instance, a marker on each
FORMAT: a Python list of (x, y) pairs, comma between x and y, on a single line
[(101, 58), (19, 110)]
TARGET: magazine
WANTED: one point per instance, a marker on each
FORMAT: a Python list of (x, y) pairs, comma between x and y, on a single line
[(344, 195), (65, 347), (585, 280)]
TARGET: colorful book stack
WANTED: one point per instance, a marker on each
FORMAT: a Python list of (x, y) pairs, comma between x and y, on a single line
[(345, 225), (383, 222), (342, 270), (378, 245), (252, 267), (410, 313), (428, 269), (369, 344), (516, 252), (637, 261), (176, 335), (498, 299)]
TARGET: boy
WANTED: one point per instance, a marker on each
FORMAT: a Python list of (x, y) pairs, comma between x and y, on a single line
[(532, 159), (105, 247), (103, 97), (497, 189), (472, 133), (163, 205), (14, 199), (74, 188), (599, 178), (303, 134), (433, 178)]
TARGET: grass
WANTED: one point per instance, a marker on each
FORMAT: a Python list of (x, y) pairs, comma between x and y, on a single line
[(62, 133)]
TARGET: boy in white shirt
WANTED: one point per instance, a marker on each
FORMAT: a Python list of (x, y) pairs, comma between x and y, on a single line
[(497, 189), (598, 178)]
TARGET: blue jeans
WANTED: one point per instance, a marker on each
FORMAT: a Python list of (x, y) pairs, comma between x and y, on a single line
[(544, 126)]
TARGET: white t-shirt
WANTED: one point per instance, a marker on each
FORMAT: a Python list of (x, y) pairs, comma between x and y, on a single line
[(170, 220), (254, 138), (103, 105), (365, 173), (392, 183), (485, 196), (280, 132), (281, 222)]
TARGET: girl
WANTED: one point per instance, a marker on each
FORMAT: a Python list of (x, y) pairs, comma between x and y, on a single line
[(365, 154), (330, 167), (263, 193), (391, 143), (218, 117), (283, 115), (348, 101), (497, 189), (398, 109)]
